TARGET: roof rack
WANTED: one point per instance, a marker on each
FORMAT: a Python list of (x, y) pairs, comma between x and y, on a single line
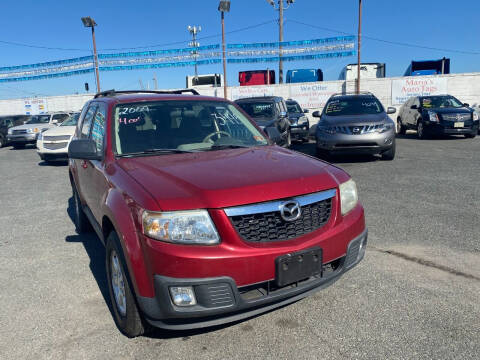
[(114, 92), (353, 93)]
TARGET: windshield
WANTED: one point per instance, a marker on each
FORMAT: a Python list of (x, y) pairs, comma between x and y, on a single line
[(353, 106), (39, 119), (293, 107), (71, 121), (441, 102), (258, 109), (182, 126)]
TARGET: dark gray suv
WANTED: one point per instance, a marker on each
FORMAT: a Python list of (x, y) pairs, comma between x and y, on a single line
[(357, 124)]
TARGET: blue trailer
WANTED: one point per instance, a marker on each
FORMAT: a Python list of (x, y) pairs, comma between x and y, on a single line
[(428, 67), (304, 75)]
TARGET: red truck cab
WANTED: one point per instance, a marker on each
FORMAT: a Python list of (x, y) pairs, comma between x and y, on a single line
[(204, 220), (256, 77)]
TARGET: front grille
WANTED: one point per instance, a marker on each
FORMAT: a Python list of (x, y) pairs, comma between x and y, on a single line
[(356, 145), (17, 132), (456, 117), (270, 226), (55, 146), (56, 138), (357, 130)]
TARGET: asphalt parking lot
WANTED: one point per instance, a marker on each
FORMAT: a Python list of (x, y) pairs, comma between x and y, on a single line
[(415, 295)]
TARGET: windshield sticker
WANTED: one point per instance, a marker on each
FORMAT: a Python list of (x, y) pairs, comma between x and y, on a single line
[(133, 109), (368, 104), (126, 121)]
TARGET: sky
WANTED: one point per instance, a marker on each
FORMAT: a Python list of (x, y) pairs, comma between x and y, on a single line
[(394, 32)]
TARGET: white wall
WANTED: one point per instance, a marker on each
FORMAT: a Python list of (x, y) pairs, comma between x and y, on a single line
[(466, 87)]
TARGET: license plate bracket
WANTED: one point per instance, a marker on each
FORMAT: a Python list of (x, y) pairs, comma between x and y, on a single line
[(459, 124), (297, 266)]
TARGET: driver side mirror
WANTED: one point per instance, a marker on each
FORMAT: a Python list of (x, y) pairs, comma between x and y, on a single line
[(306, 111), (54, 121), (414, 107), (283, 114), (83, 149), (316, 114), (466, 104), (391, 110)]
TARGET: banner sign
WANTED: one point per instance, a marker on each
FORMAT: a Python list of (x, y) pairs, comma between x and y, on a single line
[(293, 58), (403, 89), (35, 106), (314, 96), (292, 43), (251, 91)]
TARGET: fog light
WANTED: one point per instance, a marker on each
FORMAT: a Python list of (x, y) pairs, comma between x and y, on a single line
[(183, 296)]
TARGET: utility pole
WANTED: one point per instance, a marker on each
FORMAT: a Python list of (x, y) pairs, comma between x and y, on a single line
[(194, 30), (359, 43), (280, 39), (89, 22), (223, 7), (155, 83)]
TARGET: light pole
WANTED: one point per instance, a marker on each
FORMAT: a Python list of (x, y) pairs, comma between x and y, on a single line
[(280, 34), (194, 30), (224, 7), (359, 43), (89, 22)]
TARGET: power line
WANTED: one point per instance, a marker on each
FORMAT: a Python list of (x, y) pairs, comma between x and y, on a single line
[(389, 41), (137, 47)]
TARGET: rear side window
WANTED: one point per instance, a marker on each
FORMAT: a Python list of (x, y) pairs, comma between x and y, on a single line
[(87, 121), (98, 130)]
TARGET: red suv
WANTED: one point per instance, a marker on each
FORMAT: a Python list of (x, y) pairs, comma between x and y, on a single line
[(204, 220)]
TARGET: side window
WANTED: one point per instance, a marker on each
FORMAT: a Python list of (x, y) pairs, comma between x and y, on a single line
[(87, 121), (9, 123), (98, 130)]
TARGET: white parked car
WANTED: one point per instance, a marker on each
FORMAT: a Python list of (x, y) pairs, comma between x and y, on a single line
[(21, 135), (53, 144)]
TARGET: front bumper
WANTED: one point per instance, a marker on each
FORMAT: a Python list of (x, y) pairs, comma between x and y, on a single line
[(52, 150), (299, 131), (238, 303), (22, 138), (371, 143), (448, 128)]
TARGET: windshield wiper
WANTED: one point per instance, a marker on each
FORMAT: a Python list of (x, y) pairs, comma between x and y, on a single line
[(155, 151), (228, 146)]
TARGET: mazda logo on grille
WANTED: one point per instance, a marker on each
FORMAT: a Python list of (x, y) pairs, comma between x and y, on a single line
[(290, 210)]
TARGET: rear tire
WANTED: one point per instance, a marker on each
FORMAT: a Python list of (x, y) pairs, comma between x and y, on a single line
[(82, 224), (19, 146), (2, 142), (401, 129), (125, 310)]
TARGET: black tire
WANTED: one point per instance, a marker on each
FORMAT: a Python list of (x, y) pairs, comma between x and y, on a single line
[(389, 154), (289, 139), (323, 154), (125, 311), (401, 129), (19, 146), (421, 131), (2, 141), (82, 224), (470, 136)]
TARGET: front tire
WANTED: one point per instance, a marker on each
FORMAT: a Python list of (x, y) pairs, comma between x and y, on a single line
[(82, 224), (288, 141), (421, 131), (389, 154), (125, 310), (2, 142)]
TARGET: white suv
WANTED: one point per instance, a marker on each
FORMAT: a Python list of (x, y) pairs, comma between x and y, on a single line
[(53, 144)]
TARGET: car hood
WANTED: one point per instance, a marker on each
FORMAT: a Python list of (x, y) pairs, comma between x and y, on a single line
[(60, 130), (264, 121), (219, 179), (353, 120), (295, 116), (32, 126), (461, 110)]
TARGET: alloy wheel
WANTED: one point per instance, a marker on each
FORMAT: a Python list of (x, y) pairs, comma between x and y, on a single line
[(118, 285)]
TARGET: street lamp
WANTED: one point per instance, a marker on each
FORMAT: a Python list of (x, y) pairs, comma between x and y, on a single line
[(224, 7), (194, 30), (359, 43), (89, 22), (280, 25)]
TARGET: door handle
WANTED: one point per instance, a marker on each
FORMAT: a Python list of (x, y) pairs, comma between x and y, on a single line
[(84, 164)]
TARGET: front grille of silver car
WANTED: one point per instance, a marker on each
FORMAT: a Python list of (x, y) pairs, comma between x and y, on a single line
[(457, 117), (17, 132), (56, 138), (55, 146), (357, 130)]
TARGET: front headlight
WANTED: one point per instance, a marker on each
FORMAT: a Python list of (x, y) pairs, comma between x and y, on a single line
[(348, 196), (326, 129), (475, 116), (385, 127), (302, 120), (33, 130), (433, 116), (192, 227), (10, 131)]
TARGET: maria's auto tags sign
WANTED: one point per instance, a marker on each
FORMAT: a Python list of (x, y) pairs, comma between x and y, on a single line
[(403, 89)]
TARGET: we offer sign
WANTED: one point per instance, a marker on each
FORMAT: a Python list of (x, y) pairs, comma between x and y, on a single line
[(403, 89), (315, 95)]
